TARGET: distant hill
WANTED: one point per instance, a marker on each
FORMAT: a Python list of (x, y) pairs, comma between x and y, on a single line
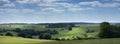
[(51, 23)]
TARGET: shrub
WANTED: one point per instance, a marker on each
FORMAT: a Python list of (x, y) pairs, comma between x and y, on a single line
[(45, 36), (109, 31), (18, 30), (29, 36), (22, 34), (104, 30), (9, 34)]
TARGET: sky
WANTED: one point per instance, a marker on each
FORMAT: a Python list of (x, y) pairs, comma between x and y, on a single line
[(52, 11)]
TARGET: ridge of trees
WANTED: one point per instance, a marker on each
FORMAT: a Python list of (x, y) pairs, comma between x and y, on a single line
[(109, 31)]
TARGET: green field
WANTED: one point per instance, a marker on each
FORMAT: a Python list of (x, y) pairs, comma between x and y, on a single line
[(66, 34), (19, 40), (63, 34), (77, 32), (70, 36)]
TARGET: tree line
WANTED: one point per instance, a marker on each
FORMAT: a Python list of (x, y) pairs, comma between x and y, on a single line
[(28, 33), (109, 31)]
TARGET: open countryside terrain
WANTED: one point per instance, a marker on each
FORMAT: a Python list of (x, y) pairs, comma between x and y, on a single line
[(59, 21), (19, 40), (66, 36), (80, 30)]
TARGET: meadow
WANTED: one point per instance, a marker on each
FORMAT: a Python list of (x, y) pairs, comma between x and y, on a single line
[(19, 40), (79, 31), (66, 36)]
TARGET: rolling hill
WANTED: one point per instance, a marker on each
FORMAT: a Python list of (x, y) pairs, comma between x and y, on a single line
[(19, 40)]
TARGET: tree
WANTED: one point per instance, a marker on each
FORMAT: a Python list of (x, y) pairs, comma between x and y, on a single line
[(115, 31), (22, 34), (45, 36), (109, 31), (29, 36), (69, 28), (105, 31), (18, 30), (55, 32), (58, 25), (9, 34)]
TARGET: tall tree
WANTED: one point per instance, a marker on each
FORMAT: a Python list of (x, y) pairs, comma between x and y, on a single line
[(9, 34), (45, 36), (105, 31)]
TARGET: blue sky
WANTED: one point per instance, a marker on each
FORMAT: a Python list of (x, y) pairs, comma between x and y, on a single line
[(51, 11)]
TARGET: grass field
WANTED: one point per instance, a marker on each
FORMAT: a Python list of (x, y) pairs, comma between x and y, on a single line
[(75, 32), (65, 33), (19, 40)]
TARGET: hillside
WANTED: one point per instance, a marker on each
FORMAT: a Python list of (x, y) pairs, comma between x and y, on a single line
[(64, 33), (19, 40)]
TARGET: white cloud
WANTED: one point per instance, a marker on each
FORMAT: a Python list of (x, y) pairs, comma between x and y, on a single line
[(99, 4), (51, 10), (6, 1), (37, 1), (27, 1), (45, 4), (67, 5), (28, 11), (4, 11), (9, 5), (40, 2), (79, 9), (52, 6), (111, 5), (16, 11), (93, 3), (72, 7), (48, 1)]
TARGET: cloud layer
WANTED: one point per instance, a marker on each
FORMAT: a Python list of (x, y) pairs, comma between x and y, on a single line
[(56, 9), (99, 4)]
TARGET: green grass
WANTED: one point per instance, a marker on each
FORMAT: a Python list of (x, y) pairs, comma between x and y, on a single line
[(19, 40), (36, 27), (76, 31), (65, 33), (70, 34), (96, 41)]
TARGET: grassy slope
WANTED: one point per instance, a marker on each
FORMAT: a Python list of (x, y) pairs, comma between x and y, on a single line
[(66, 34), (100, 41), (77, 31), (22, 26), (18, 40)]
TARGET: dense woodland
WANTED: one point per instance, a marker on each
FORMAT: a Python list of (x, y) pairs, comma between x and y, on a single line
[(109, 31)]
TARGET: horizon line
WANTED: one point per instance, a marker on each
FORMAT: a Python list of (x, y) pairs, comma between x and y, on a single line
[(54, 22)]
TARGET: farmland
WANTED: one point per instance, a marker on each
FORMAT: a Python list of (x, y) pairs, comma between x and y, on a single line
[(19, 40), (79, 31), (80, 34)]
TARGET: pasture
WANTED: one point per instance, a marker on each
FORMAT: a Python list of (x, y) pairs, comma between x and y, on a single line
[(19, 40)]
